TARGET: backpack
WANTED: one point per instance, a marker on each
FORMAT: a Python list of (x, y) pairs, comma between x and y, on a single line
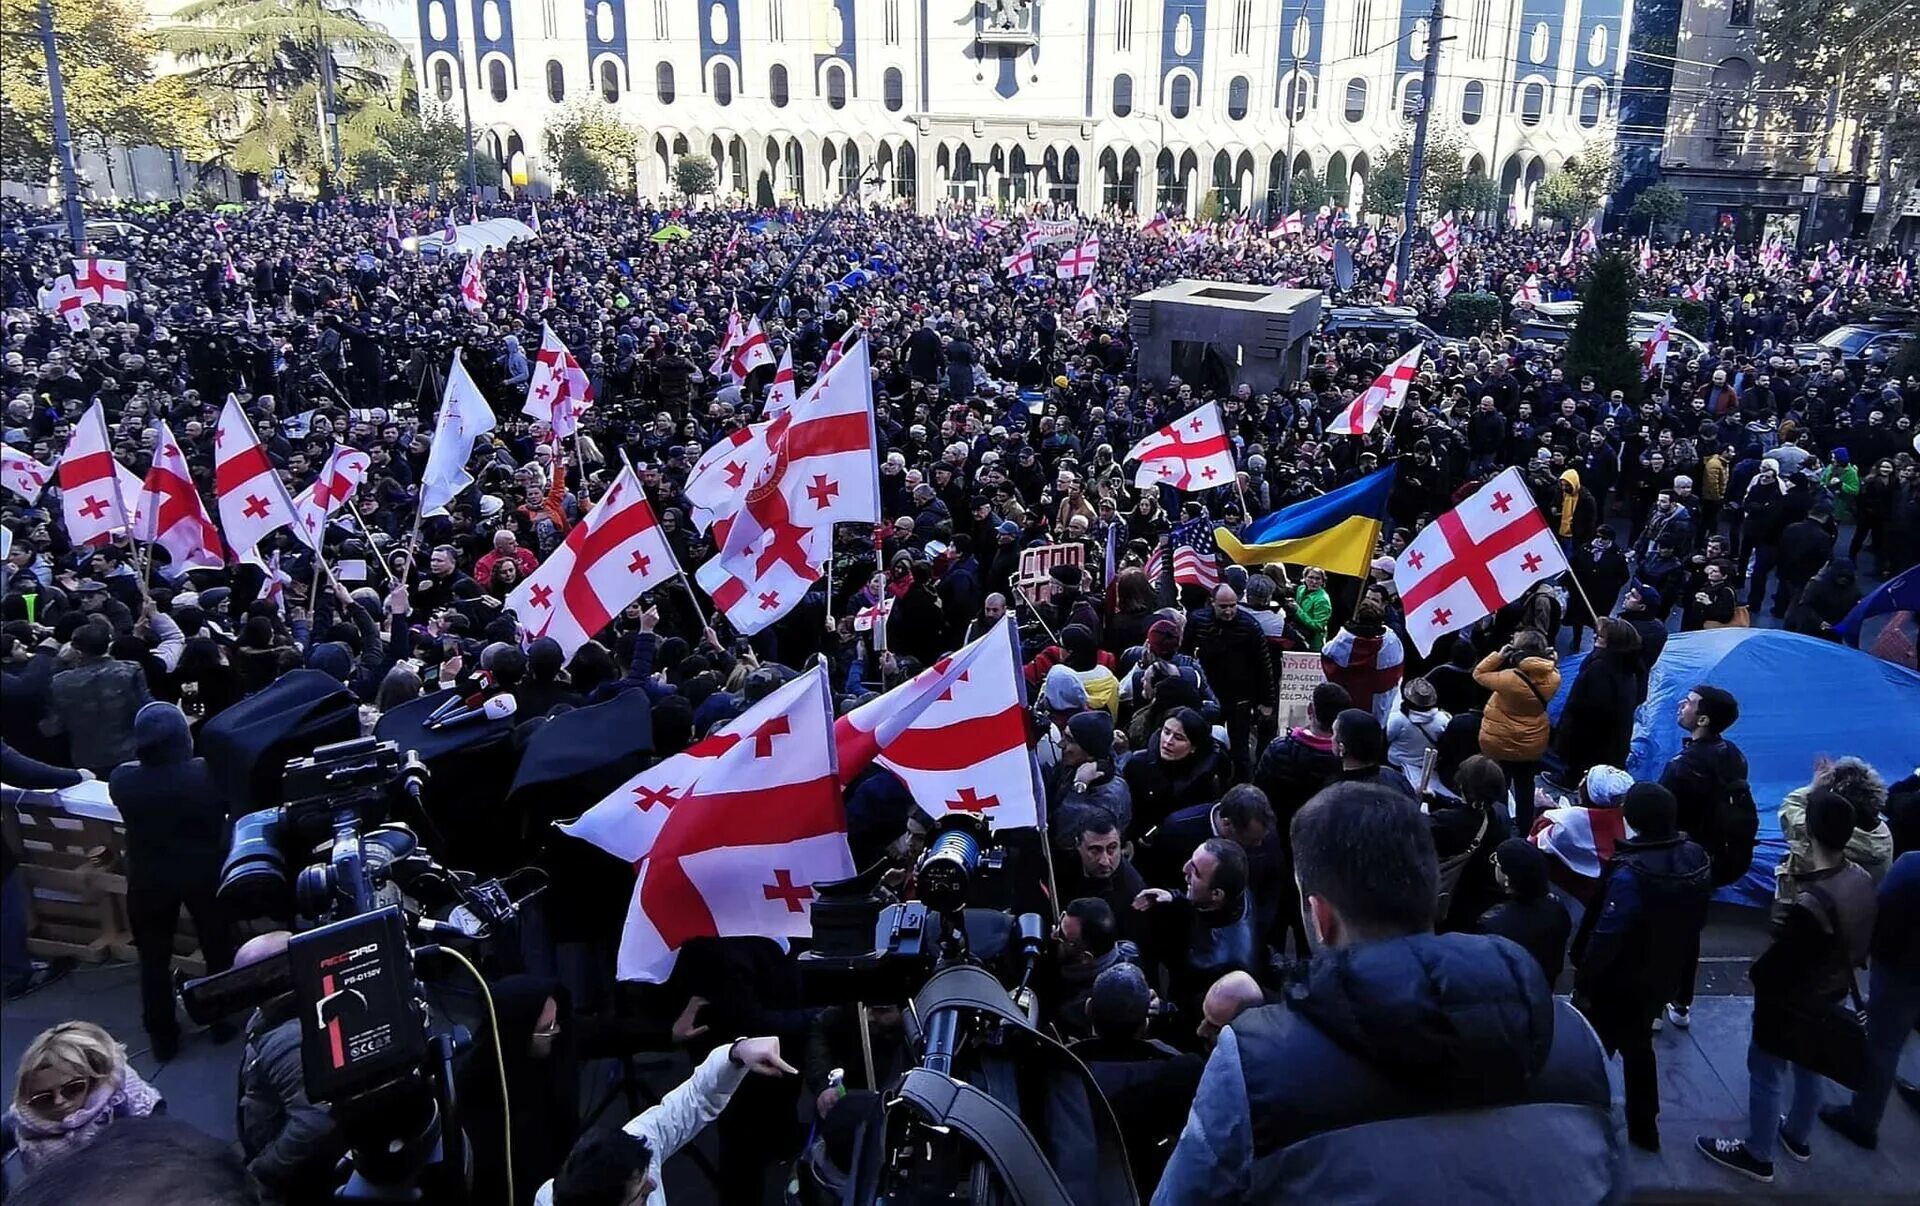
[(1452, 867), (1736, 827)]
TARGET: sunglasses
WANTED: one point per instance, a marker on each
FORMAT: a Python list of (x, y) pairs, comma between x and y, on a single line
[(74, 1090)]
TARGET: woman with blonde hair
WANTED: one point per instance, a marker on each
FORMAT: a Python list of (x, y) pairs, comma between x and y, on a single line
[(74, 1082)]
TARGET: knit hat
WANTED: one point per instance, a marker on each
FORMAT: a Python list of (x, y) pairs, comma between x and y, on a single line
[(1607, 786), (1093, 732), (1063, 690), (1524, 866), (1163, 639), (1650, 811)]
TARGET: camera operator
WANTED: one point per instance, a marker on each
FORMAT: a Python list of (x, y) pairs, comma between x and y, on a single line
[(1331, 1092), (1211, 930), (1149, 1084), (292, 1145), (623, 1166)]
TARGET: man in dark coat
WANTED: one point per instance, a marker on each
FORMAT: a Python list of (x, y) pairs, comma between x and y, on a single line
[(176, 840), (1805, 546), (1149, 1084), (1632, 949), (1602, 569), (1388, 1026), (1596, 722), (1234, 652), (924, 353)]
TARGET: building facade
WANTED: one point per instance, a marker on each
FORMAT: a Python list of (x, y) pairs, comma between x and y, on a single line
[(1128, 104)]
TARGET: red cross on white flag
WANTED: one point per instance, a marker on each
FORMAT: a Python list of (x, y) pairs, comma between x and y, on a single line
[(92, 501), (610, 558), (1697, 291), (729, 838), (1446, 236), (1020, 263), (62, 297), (1089, 301), (252, 499), (559, 391), (1475, 559), (1079, 261), (1653, 355), (473, 285), (1191, 453), (1390, 288), (101, 282), (956, 734), (1447, 281), (23, 475), (329, 492), (1388, 389), (172, 514)]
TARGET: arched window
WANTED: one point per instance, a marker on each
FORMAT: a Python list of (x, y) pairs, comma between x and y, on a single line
[(722, 84), (443, 79), (893, 90), (609, 81), (1237, 90), (836, 87), (1473, 103), (497, 79), (1593, 104), (663, 81), (1298, 95), (1356, 100), (556, 81), (777, 86), (1410, 99), (1533, 103), (1180, 99), (1122, 95)]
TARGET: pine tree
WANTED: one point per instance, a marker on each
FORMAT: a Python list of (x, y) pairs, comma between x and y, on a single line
[(1601, 346)]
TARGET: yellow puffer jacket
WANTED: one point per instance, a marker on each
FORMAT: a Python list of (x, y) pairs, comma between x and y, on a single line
[(1514, 726)]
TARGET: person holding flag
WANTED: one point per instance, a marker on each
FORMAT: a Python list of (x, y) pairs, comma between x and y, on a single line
[(253, 500), (558, 391), (464, 417), (1191, 453), (1389, 390)]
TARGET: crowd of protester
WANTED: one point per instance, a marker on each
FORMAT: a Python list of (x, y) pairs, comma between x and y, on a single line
[(1286, 945)]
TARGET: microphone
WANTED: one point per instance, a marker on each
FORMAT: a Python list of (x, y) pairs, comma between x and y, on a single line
[(414, 775), (500, 707), (454, 703)]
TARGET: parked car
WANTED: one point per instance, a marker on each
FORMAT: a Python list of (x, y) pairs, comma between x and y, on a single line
[(1399, 326), (1854, 345)]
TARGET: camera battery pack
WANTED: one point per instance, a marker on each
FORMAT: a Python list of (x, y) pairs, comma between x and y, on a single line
[(359, 1025)]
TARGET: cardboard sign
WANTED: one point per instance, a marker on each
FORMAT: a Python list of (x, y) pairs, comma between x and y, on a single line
[(1036, 564), (1300, 673)]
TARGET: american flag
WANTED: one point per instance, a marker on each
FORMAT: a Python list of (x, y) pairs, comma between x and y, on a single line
[(1196, 558)]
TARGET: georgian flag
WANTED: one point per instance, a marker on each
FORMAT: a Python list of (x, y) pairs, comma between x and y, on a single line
[(533, 223), (1697, 291), (1080, 261), (1446, 236), (1191, 453), (730, 837), (172, 514), (393, 226), (1447, 281), (1653, 355), (1020, 263), (473, 286), (253, 501), (63, 297), (1089, 301), (1371, 243), (1475, 559), (1159, 224), (559, 391), (1388, 389), (752, 351), (520, 296), (955, 734), (22, 474), (546, 295), (1528, 294), (780, 394), (723, 357), (101, 282), (1390, 288), (93, 502), (610, 558), (344, 471), (1292, 224), (1646, 255)]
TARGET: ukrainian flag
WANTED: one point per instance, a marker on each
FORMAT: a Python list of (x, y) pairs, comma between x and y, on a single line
[(1336, 531)]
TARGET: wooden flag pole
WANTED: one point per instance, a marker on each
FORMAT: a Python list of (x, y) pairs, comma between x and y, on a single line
[(372, 548)]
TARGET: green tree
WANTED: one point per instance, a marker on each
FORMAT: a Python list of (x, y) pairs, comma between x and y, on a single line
[(694, 176), (590, 148), (1595, 171), (1309, 192), (1209, 207), (113, 96), (1558, 197), (265, 66), (1866, 53), (1600, 346), (1475, 194), (1443, 180), (1659, 204)]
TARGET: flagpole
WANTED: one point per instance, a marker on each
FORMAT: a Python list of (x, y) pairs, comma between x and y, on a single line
[(371, 545), (1593, 613), (829, 576), (419, 496)]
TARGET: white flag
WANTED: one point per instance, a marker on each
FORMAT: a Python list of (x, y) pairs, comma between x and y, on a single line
[(464, 418)]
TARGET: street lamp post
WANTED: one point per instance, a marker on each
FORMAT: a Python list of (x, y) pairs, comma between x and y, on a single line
[(63, 136), (1417, 160)]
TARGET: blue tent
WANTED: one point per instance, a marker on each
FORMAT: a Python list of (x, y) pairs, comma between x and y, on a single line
[(1800, 697)]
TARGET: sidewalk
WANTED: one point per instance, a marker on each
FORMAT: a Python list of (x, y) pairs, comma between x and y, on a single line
[(1703, 1089)]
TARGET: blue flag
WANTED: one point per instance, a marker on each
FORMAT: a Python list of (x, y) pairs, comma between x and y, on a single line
[(1899, 593)]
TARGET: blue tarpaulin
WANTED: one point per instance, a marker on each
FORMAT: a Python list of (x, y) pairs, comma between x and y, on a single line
[(1800, 698)]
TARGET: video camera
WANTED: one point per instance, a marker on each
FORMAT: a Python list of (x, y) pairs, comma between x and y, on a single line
[(370, 1045), (994, 1110)]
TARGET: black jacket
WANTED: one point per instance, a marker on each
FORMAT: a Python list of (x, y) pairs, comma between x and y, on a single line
[(1697, 776), (1235, 654), (1633, 946), (176, 815), (1596, 722), (1543, 926), (1160, 788), (1150, 1087), (1804, 547)]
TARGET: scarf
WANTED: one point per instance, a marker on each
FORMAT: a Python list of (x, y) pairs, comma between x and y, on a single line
[(42, 1142)]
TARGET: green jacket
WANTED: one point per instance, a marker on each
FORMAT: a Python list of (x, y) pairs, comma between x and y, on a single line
[(1870, 849), (1314, 611)]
